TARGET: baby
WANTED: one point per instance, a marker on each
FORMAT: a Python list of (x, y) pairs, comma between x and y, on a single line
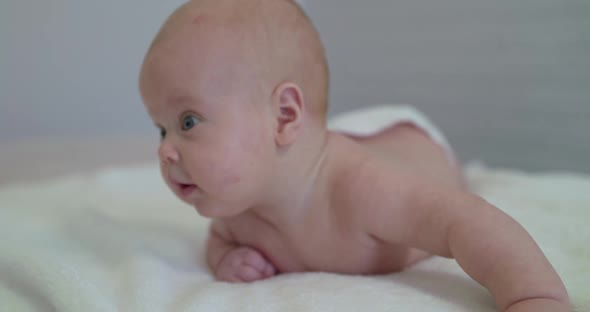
[(239, 92)]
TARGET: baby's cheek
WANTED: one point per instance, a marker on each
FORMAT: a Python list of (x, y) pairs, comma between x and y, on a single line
[(223, 170), (236, 173), (236, 162), (231, 179)]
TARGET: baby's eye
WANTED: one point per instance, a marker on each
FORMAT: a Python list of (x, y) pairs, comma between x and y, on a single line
[(189, 121), (162, 133)]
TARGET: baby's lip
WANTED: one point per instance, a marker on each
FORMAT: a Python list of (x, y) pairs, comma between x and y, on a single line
[(184, 186), (179, 181), (187, 189)]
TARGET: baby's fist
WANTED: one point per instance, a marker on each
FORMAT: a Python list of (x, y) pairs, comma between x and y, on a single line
[(244, 264)]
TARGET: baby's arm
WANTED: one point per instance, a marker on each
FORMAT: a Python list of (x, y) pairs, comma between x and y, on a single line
[(489, 245), (233, 263)]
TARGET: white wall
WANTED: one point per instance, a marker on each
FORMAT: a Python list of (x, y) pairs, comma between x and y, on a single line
[(70, 68), (508, 81)]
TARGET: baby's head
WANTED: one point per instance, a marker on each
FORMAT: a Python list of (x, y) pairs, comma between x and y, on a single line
[(238, 89)]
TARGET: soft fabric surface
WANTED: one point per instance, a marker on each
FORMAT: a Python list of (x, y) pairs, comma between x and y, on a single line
[(119, 241)]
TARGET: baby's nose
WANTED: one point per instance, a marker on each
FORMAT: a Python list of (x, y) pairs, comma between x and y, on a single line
[(167, 152)]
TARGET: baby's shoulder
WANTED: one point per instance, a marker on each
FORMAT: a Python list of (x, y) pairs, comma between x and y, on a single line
[(363, 178)]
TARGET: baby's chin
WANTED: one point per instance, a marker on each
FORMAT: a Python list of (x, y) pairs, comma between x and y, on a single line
[(208, 209)]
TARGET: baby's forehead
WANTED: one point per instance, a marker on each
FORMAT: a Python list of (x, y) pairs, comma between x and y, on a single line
[(172, 83), (214, 45)]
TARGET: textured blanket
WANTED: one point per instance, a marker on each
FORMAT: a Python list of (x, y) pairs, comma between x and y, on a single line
[(118, 240)]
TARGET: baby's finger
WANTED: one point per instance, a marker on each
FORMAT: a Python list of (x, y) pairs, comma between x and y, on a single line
[(269, 270), (227, 275), (249, 274), (255, 260)]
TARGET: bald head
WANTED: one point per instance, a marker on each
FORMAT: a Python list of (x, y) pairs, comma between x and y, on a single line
[(273, 39)]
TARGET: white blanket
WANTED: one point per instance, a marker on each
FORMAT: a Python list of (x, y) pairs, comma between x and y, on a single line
[(119, 241)]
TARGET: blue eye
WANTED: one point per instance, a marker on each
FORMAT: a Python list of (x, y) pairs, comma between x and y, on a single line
[(189, 121)]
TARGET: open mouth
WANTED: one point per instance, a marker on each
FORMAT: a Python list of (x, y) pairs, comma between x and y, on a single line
[(186, 189)]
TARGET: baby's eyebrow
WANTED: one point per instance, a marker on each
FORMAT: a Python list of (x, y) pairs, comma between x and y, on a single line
[(181, 99), (186, 104), (184, 101)]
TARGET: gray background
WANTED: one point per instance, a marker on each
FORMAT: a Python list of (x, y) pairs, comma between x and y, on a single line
[(507, 81)]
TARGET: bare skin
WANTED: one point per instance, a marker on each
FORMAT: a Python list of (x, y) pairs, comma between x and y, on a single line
[(332, 229), (244, 141)]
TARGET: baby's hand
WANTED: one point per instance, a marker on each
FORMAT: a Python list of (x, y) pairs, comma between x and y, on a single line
[(244, 264)]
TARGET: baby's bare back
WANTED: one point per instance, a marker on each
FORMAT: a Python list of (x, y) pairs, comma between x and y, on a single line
[(328, 237)]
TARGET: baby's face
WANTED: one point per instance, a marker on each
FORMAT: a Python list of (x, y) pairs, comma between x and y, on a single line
[(217, 149)]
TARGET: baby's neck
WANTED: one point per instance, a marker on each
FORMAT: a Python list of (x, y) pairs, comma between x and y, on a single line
[(302, 182)]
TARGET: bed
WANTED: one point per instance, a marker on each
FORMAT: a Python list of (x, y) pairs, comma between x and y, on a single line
[(105, 234)]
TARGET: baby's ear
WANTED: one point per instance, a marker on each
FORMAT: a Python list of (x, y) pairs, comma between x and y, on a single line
[(288, 107)]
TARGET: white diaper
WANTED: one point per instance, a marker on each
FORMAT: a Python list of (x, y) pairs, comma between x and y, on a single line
[(368, 121)]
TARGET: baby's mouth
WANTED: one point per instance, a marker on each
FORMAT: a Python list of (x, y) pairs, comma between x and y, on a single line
[(186, 189)]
